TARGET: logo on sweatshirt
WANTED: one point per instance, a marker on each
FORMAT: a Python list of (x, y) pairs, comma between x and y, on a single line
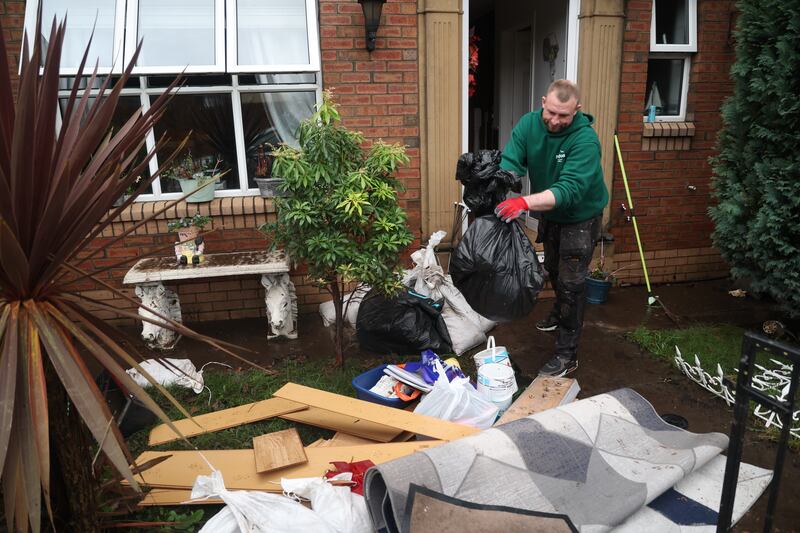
[(560, 157)]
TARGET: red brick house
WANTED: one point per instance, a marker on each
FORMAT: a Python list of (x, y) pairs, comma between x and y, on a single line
[(257, 67)]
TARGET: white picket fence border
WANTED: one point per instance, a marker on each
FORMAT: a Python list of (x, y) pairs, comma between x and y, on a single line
[(764, 379)]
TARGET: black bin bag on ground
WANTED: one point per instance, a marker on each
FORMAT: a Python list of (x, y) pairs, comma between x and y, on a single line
[(485, 184), (496, 269), (404, 324)]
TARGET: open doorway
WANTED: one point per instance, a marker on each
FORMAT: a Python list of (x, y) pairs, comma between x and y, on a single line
[(515, 50)]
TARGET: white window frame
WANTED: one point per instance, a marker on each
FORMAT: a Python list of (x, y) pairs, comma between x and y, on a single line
[(117, 62), (312, 34), (691, 46), (687, 69), (132, 36)]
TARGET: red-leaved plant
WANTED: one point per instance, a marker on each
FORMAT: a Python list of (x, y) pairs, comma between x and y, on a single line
[(57, 187)]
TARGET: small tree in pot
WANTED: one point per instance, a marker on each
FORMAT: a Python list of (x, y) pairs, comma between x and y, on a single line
[(343, 218)]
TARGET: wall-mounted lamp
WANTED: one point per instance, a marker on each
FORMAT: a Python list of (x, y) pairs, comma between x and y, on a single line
[(372, 19)]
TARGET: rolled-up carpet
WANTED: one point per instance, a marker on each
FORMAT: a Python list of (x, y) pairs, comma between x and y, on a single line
[(594, 464)]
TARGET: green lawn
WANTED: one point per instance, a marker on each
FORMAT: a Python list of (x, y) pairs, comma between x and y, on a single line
[(713, 344)]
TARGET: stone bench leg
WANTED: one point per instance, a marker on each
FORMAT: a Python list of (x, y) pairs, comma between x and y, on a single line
[(281, 303), (164, 302)]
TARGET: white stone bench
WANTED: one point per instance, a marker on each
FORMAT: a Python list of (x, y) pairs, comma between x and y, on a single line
[(150, 274)]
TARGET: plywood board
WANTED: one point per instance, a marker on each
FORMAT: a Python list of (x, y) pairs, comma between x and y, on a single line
[(542, 394), (238, 466), (278, 449), (345, 439), (323, 418), (316, 443), (224, 419), (396, 418)]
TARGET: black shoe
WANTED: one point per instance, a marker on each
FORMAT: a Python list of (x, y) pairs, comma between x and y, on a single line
[(548, 324), (559, 366)]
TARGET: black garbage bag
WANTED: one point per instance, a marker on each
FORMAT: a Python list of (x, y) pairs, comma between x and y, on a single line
[(405, 324), (496, 269), (485, 184)]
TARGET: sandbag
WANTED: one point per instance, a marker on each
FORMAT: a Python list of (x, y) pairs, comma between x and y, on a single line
[(467, 328), (351, 301), (403, 324), (496, 269), (485, 183)]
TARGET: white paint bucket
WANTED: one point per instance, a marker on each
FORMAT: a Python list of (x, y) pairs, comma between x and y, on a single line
[(492, 354), (496, 382)]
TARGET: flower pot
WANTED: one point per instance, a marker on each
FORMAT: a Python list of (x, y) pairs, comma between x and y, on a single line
[(597, 290), (270, 187), (205, 195)]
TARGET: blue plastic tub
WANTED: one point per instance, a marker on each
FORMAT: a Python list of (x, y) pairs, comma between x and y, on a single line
[(366, 381)]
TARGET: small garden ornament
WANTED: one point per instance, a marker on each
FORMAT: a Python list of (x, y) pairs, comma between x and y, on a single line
[(190, 245)]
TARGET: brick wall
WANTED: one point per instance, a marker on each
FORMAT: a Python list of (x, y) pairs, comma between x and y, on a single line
[(12, 17), (668, 171), (378, 95)]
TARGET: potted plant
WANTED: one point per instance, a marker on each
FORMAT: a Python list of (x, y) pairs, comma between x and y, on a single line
[(190, 246), (268, 186), (193, 174)]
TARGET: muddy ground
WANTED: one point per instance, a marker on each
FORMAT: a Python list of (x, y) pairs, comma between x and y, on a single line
[(607, 362)]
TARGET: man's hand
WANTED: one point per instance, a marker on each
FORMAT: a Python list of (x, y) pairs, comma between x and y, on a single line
[(509, 209)]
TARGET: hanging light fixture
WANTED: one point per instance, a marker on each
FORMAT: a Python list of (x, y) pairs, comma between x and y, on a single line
[(372, 19)]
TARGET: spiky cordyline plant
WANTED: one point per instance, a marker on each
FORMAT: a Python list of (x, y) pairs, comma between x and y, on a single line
[(56, 194)]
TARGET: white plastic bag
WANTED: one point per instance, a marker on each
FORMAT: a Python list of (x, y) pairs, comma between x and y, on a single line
[(180, 372), (352, 301), (466, 327), (343, 510), (254, 511), (457, 401)]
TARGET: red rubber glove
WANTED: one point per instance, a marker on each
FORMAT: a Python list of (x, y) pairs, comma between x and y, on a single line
[(509, 209)]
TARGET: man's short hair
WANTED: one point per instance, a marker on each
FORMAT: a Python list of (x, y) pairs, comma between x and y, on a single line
[(564, 89)]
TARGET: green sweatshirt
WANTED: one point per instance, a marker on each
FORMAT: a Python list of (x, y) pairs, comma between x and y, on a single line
[(567, 163)]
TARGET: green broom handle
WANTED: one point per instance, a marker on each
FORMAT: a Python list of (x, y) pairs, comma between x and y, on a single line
[(633, 216)]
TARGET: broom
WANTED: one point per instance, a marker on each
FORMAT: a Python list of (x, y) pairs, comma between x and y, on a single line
[(651, 298)]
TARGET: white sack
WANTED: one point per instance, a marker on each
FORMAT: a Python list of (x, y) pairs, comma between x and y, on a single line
[(457, 401), (180, 372), (328, 313), (254, 511), (466, 327), (342, 509)]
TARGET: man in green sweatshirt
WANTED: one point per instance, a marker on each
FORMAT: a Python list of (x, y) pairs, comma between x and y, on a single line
[(561, 154)]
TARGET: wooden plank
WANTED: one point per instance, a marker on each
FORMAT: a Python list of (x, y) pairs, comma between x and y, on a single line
[(173, 497), (224, 419), (318, 442), (323, 418), (542, 394), (238, 466), (396, 418), (345, 439), (278, 449)]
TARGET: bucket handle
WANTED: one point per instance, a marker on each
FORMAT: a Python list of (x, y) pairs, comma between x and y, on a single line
[(490, 343)]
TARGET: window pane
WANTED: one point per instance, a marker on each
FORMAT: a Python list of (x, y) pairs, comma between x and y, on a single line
[(80, 22), (176, 32), (200, 80), (210, 119), (272, 32), (672, 22), (126, 107), (272, 118), (277, 79), (664, 86)]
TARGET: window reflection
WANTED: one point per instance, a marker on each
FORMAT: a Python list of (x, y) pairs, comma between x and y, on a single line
[(209, 118), (272, 118)]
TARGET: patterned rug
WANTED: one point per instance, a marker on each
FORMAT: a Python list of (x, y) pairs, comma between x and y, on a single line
[(594, 465)]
